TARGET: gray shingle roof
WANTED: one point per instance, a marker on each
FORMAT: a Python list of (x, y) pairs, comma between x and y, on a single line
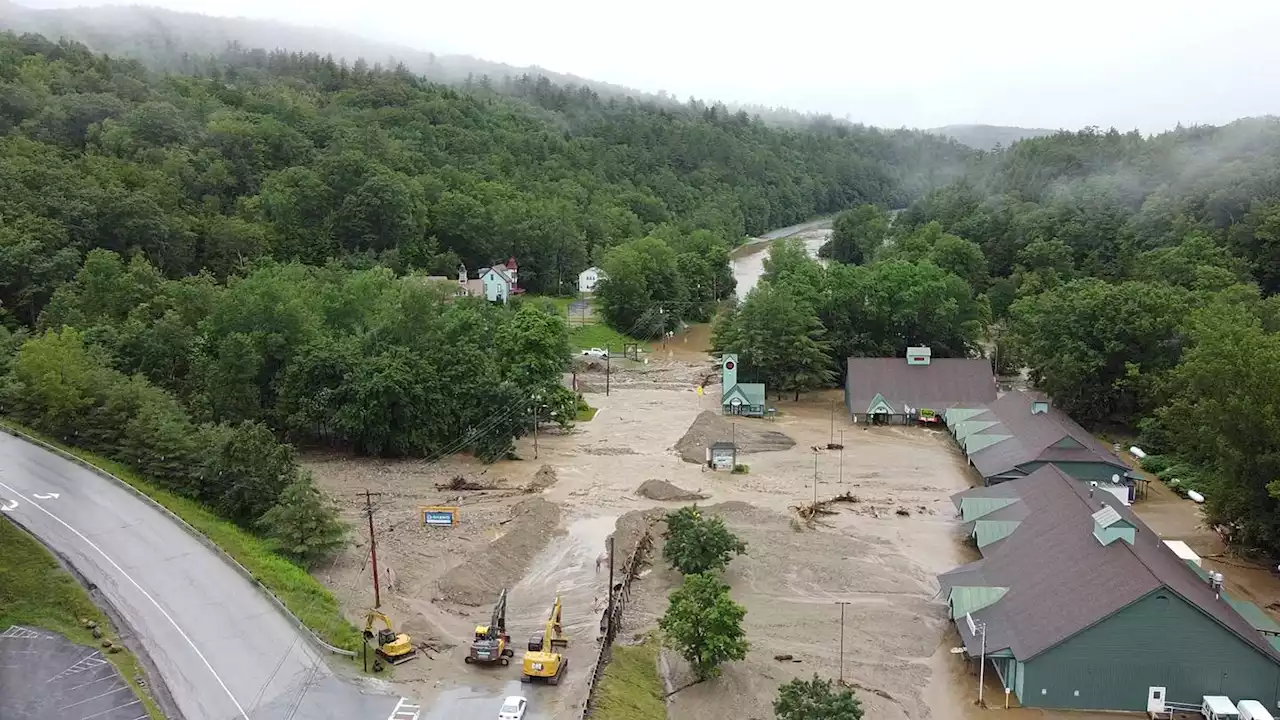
[(1032, 437), (943, 383), (1061, 580)]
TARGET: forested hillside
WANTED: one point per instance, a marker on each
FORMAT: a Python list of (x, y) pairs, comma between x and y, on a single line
[(197, 267), (1136, 277)]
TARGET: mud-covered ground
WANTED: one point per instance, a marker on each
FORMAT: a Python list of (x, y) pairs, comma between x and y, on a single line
[(538, 527)]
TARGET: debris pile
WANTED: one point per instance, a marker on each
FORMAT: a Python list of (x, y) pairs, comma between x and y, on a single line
[(543, 479), (710, 427), (666, 492), (458, 482), (809, 513)]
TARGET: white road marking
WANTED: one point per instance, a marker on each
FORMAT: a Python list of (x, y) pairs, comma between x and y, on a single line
[(146, 594), (104, 712), (50, 496), (405, 711), (9, 505), (114, 675), (79, 666), (95, 697)]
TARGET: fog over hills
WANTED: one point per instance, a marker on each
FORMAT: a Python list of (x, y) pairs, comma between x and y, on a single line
[(987, 137)]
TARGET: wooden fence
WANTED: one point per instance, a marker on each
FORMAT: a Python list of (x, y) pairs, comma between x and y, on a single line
[(619, 594)]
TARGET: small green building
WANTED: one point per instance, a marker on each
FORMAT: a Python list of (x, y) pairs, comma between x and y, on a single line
[(737, 398), (1078, 605)]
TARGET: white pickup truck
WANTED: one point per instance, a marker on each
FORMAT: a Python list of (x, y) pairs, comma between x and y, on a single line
[(596, 352)]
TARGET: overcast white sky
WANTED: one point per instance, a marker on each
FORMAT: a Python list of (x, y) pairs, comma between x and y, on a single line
[(1144, 64)]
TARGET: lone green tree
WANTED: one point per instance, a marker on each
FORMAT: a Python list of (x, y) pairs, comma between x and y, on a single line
[(698, 543), (816, 699), (705, 625), (857, 233), (303, 526)]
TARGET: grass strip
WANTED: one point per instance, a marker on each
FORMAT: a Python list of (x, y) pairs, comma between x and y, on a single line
[(630, 688), (36, 591), (310, 601)]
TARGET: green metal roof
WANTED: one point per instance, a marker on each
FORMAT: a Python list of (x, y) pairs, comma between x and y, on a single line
[(965, 600), (878, 404), (989, 531), (965, 428), (972, 508), (979, 441), (955, 415), (749, 393), (1258, 619)]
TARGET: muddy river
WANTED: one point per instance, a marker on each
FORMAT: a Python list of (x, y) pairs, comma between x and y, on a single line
[(748, 260)]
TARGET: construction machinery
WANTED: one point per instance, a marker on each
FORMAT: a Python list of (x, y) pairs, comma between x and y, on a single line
[(492, 643), (393, 647), (543, 661)]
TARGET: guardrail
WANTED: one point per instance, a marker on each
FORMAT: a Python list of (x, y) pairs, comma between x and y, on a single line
[(619, 594), (199, 536)]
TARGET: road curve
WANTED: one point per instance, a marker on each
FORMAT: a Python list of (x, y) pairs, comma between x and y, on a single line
[(224, 651)]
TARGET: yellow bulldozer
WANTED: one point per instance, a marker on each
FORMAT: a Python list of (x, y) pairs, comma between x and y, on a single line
[(393, 647), (544, 661)]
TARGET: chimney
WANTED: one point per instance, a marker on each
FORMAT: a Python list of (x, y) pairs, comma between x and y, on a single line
[(918, 355)]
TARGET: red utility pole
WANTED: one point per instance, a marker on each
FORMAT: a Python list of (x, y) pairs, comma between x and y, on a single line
[(373, 546)]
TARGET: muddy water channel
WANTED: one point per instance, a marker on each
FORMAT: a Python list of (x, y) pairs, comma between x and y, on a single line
[(748, 261)]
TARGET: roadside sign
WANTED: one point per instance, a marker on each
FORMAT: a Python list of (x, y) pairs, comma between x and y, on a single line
[(973, 629), (439, 515)]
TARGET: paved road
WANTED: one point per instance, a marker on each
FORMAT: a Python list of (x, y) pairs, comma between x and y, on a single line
[(222, 649)]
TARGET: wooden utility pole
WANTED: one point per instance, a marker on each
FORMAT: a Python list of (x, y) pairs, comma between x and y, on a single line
[(535, 428), (373, 546), (833, 422), (841, 456), (607, 355), (842, 604), (815, 479)]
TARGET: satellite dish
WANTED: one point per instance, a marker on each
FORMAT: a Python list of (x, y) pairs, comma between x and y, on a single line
[(1115, 479)]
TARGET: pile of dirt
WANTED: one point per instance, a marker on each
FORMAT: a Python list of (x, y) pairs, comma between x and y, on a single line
[(543, 479), (503, 562), (710, 428), (666, 492), (631, 527)]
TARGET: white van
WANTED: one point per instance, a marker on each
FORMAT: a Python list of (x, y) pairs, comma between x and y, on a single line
[(1218, 707), (1252, 710)]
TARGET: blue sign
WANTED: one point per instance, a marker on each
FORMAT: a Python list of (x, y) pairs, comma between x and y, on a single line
[(447, 516)]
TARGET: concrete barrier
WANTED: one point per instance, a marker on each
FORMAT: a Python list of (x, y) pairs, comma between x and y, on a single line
[(199, 536)]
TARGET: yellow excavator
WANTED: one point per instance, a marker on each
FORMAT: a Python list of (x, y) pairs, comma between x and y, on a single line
[(543, 661), (393, 647), (492, 643)]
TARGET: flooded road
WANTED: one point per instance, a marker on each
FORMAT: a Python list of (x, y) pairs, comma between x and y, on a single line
[(748, 261)]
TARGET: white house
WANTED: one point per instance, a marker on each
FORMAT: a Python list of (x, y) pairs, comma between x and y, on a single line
[(500, 281), (588, 278)]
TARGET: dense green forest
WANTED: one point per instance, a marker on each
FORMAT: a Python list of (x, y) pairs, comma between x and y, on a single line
[(201, 268), (1136, 277)]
